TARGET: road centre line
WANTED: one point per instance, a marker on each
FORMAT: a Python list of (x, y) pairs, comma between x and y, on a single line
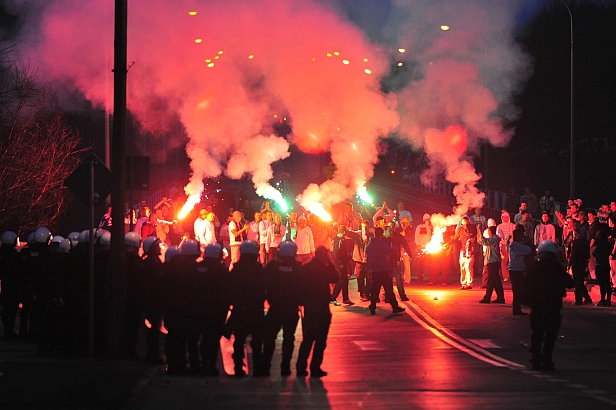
[(473, 350), (457, 341)]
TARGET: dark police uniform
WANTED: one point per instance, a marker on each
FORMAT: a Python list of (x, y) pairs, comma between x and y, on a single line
[(214, 305), (11, 276), (544, 286), (282, 288), (181, 313), (315, 277), (248, 297)]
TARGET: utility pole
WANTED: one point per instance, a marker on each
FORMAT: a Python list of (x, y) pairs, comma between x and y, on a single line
[(116, 302), (571, 105)]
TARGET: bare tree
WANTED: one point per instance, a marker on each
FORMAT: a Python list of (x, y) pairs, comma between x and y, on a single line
[(37, 150)]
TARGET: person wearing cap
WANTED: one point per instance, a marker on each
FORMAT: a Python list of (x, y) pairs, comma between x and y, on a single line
[(304, 240), (545, 286), (423, 235)]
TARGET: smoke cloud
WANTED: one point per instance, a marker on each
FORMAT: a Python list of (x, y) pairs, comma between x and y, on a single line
[(229, 69)]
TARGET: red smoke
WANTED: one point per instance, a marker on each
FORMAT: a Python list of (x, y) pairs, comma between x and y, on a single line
[(229, 70)]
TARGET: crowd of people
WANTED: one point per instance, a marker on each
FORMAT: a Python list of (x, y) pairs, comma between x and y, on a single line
[(211, 277)]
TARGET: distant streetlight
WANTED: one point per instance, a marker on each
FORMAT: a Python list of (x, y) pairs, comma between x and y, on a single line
[(444, 27), (571, 128)]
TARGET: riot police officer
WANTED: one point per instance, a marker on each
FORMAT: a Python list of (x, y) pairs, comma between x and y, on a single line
[(11, 277), (315, 279), (545, 286), (248, 298), (152, 296), (181, 308), (282, 288), (215, 302)]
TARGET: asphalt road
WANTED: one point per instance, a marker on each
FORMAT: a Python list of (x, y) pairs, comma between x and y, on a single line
[(446, 351)]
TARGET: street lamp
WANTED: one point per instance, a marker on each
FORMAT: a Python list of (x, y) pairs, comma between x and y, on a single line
[(571, 155)]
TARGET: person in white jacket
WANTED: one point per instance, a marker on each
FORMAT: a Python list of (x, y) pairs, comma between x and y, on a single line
[(264, 224), (274, 237), (545, 231), (304, 240)]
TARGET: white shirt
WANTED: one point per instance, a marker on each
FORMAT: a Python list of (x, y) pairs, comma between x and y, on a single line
[(253, 232), (210, 233), (263, 228), (234, 226), (274, 240), (304, 241), (199, 229)]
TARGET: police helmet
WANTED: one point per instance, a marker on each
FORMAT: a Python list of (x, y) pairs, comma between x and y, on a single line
[(42, 235), (287, 248), (148, 242), (9, 238), (213, 251), (105, 239), (74, 237), (132, 239), (64, 246), (171, 253), (547, 246), (84, 236), (191, 247), (249, 247), (30, 238), (54, 245)]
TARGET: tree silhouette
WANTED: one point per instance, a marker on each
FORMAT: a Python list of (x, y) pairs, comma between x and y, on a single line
[(37, 150)]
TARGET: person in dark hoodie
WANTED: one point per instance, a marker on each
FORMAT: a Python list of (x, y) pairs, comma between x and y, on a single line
[(517, 268), (545, 286), (602, 250), (379, 256)]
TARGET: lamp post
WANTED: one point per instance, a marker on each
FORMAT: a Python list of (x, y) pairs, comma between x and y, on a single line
[(571, 155)]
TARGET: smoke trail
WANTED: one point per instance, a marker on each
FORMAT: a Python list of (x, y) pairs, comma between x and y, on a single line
[(461, 84), (228, 69)]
